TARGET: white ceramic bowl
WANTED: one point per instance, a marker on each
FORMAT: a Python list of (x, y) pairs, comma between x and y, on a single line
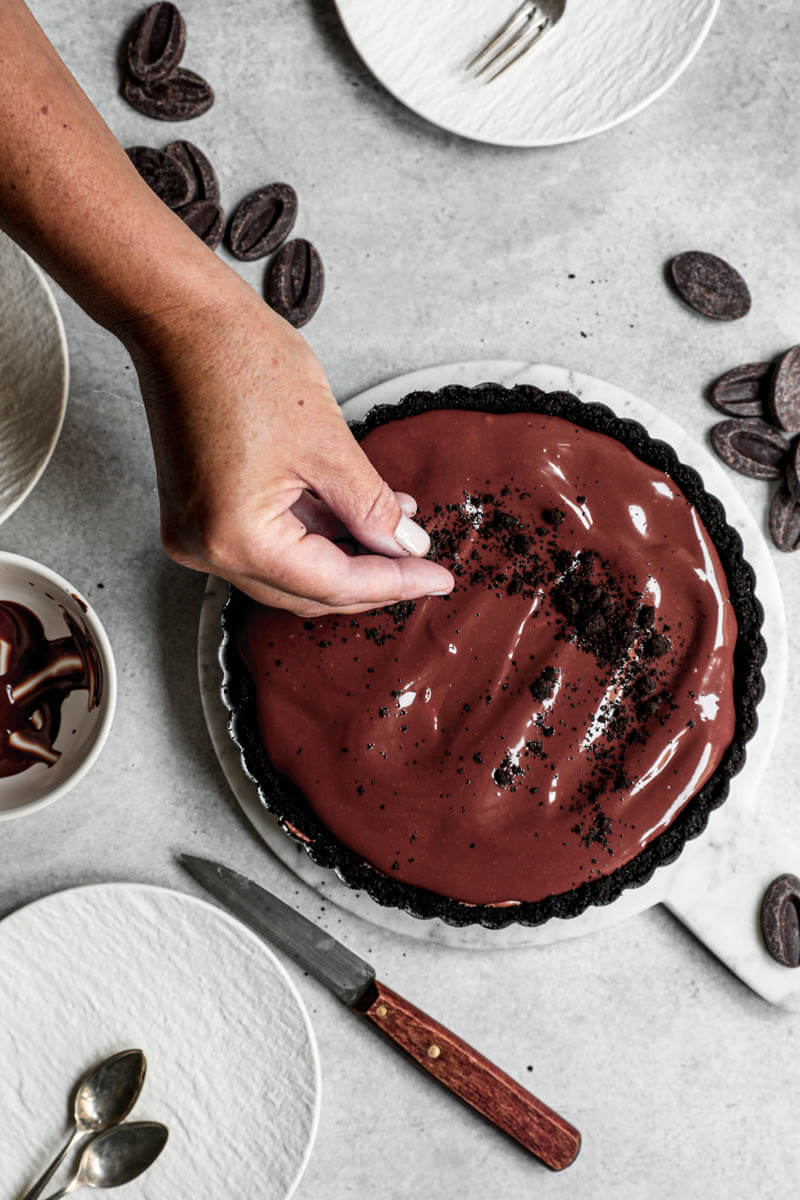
[(34, 375), (82, 730)]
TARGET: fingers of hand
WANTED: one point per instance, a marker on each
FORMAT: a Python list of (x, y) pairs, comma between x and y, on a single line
[(346, 480), (299, 605), (280, 562), (407, 503), (315, 515), (312, 568)]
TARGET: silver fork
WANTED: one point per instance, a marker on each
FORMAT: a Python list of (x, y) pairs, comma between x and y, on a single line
[(523, 29)]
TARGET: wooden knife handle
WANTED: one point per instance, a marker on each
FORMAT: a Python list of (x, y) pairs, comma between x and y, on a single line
[(473, 1078)]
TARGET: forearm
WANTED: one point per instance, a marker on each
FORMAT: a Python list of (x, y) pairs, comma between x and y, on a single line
[(70, 196)]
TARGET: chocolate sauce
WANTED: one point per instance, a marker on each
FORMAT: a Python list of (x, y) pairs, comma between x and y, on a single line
[(538, 727), (37, 676)]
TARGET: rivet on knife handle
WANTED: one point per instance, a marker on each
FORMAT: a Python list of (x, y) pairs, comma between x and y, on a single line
[(473, 1078)]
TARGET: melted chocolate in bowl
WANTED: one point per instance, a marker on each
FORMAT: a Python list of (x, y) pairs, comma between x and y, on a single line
[(535, 730), (37, 675)]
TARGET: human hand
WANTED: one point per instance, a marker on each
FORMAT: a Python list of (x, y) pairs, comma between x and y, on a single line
[(260, 480), (258, 474)]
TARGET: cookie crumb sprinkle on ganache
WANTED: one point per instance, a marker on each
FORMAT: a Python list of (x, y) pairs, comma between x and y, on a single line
[(556, 726)]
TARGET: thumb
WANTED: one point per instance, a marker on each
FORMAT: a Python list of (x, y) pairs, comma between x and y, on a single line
[(363, 501)]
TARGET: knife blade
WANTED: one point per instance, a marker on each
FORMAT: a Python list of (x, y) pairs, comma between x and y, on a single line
[(470, 1076), (347, 975)]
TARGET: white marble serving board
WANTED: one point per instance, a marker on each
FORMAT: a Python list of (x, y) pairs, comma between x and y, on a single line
[(34, 375), (603, 62), (716, 884), (232, 1064)]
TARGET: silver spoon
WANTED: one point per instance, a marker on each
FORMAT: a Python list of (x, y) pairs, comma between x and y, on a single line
[(117, 1156), (105, 1096)]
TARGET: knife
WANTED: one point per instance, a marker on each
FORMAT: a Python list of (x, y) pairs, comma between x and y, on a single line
[(441, 1053)]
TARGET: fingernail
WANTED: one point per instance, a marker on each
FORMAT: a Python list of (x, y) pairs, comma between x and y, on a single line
[(408, 505), (447, 593), (412, 537)]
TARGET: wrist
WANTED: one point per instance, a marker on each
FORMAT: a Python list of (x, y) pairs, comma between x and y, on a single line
[(170, 273), (179, 290)]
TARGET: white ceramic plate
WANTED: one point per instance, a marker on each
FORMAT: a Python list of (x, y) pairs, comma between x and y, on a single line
[(604, 62), (34, 375), (232, 1070), (730, 851)]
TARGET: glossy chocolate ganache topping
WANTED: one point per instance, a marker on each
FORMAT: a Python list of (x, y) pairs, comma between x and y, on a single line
[(37, 676), (537, 728)]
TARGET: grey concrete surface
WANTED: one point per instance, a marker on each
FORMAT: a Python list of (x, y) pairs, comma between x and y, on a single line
[(438, 249)]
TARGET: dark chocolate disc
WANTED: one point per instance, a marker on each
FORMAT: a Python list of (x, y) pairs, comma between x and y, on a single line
[(163, 174), (710, 285), (792, 476), (205, 185), (295, 282), (780, 920), (784, 520), (741, 392), (783, 398), (750, 447), (205, 219), (156, 43), (262, 221), (179, 97)]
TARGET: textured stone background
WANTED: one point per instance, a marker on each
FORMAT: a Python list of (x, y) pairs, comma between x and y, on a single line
[(438, 250)]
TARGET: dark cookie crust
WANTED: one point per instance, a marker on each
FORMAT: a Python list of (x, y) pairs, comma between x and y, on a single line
[(301, 823)]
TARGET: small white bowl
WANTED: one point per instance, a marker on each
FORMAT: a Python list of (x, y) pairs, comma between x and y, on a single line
[(34, 375), (82, 730)]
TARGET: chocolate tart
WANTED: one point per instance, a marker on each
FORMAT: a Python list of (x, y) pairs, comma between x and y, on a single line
[(624, 659)]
